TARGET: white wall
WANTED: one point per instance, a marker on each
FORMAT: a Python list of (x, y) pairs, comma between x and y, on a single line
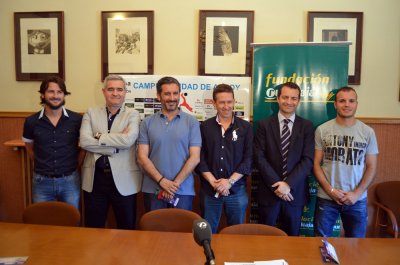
[(176, 30)]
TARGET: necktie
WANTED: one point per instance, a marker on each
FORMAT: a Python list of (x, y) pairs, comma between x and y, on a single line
[(285, 141)]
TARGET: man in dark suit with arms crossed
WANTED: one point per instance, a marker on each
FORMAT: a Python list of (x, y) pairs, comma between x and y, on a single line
[(283, 189)]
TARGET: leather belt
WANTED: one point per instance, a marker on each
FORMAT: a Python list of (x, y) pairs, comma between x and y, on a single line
[(56, 176)]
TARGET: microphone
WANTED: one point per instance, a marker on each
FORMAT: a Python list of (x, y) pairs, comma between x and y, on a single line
[(202, 236)]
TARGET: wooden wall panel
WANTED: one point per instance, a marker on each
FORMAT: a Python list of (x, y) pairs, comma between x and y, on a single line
[(11, 183), (388, 135)]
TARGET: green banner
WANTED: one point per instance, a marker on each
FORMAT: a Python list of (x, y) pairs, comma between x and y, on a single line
[(319, 69)]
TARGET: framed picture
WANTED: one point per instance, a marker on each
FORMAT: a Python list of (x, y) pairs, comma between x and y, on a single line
[(224, 42), (39, 45), (339, 26), (127, 42)]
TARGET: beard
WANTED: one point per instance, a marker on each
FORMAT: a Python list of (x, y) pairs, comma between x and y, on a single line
[(52, 106), (171, 105)]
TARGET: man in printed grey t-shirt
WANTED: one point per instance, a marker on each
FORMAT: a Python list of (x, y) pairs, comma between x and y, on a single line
[(344, 164)]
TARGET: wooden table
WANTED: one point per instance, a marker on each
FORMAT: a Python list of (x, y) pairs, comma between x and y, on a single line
[(73, 246)]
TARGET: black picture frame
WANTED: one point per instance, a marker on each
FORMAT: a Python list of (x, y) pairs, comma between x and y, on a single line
[(127, 42), (339, 26), (224, 42), (39, 45)]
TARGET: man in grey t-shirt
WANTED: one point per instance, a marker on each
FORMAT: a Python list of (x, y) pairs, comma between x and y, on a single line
[(344, 164)]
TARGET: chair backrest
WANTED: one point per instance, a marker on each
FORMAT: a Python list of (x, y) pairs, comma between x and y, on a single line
[(372, 210), (168, 220), (388, 194), (252, 229), (51, 213)]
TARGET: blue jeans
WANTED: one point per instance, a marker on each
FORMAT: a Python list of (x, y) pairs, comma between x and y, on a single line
[(66, 189), (354, 218), (152, 203), (235, 206)]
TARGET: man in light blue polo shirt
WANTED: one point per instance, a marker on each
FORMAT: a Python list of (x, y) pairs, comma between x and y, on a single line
[(169, 150)]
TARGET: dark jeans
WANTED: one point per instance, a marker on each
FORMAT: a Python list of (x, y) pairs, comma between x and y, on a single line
[(354, 218), (103, 194), (235, 206)]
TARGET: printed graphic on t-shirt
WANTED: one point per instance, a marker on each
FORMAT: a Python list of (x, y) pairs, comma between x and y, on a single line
[(344, 149)]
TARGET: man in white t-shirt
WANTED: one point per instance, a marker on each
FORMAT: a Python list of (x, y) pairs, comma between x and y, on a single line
[(344, 164)]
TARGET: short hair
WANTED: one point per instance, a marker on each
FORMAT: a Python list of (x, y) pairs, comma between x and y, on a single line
[(112, 78), (222, 88), (289, 85), (52, 79), (167, 80), (345, 89)]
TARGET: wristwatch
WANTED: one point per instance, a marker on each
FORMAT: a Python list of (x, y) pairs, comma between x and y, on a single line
[(97, 135), (231, 181)]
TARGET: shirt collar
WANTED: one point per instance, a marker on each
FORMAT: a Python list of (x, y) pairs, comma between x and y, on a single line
[(109, 115), (281, 117), (65, 113), (122, 108), (217, 119), (177, 115)]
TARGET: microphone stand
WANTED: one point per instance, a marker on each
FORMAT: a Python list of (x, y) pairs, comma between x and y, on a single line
[(209, 253), (210, 262)]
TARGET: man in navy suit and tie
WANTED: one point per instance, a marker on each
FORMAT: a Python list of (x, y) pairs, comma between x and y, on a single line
[(283, 154)]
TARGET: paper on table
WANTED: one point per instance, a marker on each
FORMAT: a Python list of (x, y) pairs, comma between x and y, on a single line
[(266, 262), (13, 260), (238, 263), (271, 262)]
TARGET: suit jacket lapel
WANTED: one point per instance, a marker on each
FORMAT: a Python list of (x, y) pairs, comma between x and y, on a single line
[(276, 132), (103, 120), (294, 134), (117, 121)]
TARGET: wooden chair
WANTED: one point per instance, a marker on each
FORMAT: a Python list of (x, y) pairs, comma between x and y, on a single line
[(253, 229), (168, 220), (387, 217), (51, 213)]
